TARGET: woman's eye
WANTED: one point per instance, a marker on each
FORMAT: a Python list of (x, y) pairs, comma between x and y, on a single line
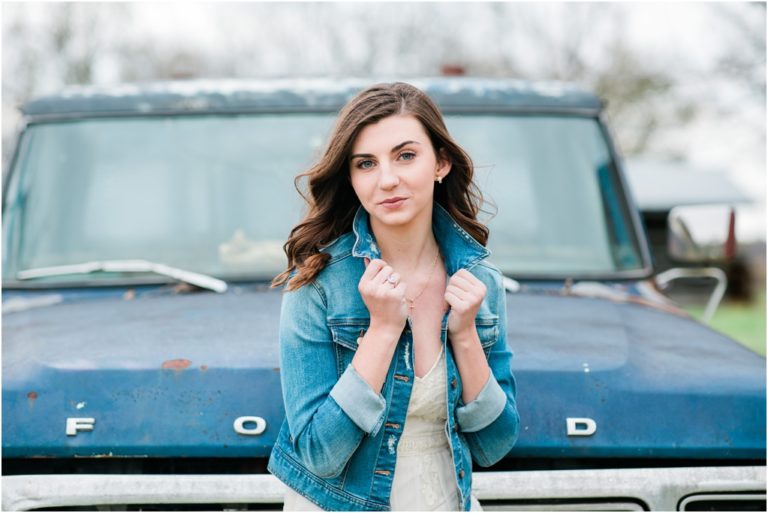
[(408, 155), (364, 164)]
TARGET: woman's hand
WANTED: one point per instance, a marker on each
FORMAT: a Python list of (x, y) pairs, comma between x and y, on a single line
[(385, 300), (464, 293)]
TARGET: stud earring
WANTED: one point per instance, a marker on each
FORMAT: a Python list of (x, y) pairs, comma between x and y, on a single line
[(439, 179)]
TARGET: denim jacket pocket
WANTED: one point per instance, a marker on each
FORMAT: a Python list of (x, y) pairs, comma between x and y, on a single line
[(345, 334), (488, 331)]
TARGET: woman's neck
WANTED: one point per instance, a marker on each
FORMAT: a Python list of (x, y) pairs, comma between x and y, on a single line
[(406, 248)]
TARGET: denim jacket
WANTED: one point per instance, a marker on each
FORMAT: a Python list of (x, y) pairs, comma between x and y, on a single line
[(338, 444)]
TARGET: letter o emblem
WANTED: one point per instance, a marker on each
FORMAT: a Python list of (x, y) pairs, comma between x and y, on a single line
[(244, 426)]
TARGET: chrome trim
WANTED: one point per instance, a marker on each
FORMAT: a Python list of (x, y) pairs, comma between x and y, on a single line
[(657, 488), (21, 493), (735, 497), (663, 280)]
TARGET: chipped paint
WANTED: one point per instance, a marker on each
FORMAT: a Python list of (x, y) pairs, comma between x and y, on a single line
[(407, 355), (80, 405), (107, 455), (178, 364), (203, 368)]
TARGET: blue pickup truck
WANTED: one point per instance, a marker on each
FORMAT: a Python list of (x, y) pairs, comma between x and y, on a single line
[(142, 225)]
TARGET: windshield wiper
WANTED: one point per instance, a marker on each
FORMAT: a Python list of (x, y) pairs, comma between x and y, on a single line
[(511, 285), (127, 266)]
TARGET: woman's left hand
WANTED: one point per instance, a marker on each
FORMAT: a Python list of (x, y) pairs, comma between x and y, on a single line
[(464, 293)]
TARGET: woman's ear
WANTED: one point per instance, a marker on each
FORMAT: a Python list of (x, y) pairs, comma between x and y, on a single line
[(443, 163)]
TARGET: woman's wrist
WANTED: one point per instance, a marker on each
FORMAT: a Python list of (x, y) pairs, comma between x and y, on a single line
[(388, 331), (471, 363), (374, 354), (466, 337)]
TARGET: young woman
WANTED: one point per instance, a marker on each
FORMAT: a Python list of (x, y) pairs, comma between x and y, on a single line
[(394, 361)]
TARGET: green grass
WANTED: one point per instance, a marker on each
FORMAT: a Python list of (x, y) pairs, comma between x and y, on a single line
[(742, 321)]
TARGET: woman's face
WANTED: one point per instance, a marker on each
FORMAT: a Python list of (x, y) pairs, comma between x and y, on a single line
[(393, 168)]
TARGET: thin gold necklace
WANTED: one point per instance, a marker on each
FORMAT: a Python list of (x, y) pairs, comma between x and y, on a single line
[(426, 284)]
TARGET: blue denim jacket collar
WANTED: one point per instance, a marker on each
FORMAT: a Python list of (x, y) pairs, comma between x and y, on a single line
[(458, 248)]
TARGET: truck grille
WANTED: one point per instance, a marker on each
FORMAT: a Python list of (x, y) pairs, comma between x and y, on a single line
[(602, 504), (724, 502)]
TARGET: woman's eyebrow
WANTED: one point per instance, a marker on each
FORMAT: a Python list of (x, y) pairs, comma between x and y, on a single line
[(394, 149), (401, 145)]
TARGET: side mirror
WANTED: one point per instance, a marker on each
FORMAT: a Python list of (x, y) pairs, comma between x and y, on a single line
[(701, 234)]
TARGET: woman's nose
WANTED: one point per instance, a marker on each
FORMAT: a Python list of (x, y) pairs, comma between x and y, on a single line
[(388, 177)]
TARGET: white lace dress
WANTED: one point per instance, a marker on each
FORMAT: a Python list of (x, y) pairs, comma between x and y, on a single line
[(424, 472)]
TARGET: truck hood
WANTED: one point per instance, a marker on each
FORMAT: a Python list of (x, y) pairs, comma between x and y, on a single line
[(170, 375)]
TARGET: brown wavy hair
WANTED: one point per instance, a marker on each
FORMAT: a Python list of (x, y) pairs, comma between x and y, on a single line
[(332, 202)]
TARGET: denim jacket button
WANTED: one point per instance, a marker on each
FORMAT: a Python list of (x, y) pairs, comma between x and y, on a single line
[(461, 474), (455, 428), (453, 383)]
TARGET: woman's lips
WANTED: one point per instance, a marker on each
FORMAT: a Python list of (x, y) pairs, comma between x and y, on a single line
[(393, 204)]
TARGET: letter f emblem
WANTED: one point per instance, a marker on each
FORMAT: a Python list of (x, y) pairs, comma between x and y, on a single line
[(75, 424)]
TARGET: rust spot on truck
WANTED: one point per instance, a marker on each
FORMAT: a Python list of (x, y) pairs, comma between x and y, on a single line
[(32, 395), (203, 368), (177, 364)]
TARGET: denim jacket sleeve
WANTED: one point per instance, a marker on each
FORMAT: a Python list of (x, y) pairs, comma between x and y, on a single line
[(324, 435), (491, 422)]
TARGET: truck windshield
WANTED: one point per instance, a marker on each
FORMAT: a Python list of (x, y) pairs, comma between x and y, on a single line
[(214, 194)]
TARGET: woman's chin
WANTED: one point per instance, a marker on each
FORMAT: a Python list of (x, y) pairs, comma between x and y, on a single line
[(400, 218), (386, 216)]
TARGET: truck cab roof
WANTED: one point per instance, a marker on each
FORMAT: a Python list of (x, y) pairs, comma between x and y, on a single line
[(216, 96)]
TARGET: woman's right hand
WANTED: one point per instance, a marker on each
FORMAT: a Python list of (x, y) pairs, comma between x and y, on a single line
[(385, 301)]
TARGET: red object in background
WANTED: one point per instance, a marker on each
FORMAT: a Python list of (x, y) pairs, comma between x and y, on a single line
[(450, 70)]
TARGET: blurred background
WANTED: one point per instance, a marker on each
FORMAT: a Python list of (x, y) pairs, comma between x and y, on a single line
[(685, 83)]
